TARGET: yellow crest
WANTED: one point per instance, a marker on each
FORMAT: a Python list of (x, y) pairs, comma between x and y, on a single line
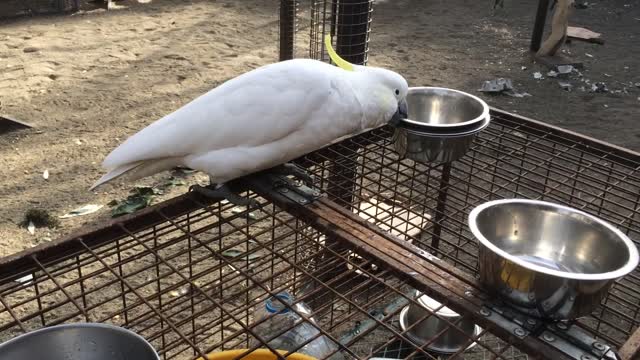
[(342, 63)]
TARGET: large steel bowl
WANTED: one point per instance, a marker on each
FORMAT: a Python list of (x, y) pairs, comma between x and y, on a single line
[(443, 111), (434, 148), (421, 326), (441, 125), (549, 260), (79, 342)]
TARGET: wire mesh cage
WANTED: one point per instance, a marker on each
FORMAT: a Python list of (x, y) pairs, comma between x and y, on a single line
[(189, 275), (16, 8)]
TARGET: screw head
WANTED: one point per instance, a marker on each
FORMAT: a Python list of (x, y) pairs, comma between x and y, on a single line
[(303, 201), (598, 346), (519, 332), (548, 337), (485, 312), (531, 322), (284, 190), (562, 326)]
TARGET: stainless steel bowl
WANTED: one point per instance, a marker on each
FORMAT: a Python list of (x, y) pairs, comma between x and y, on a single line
[(451, 340), (434, 148), (549, 260), (79, 342), (443, 111)]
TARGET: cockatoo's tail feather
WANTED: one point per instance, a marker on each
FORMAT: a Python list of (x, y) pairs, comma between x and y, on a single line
[(342, 63)]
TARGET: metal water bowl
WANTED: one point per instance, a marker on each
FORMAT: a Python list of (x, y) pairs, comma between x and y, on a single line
[(441, 126), (549, 260), (79, 342)]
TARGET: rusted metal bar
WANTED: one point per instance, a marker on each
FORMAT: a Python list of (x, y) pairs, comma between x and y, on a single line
[(425, 272), (441, 205), (631, 349)]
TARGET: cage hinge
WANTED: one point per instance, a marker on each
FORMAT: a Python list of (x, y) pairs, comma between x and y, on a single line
[(567, 338), (281, 187), (576, 343)]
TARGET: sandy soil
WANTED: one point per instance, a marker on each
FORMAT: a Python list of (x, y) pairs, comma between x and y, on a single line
[(89, 80)]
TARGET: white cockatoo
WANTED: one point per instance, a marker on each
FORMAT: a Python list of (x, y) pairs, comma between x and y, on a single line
[(261, 120)]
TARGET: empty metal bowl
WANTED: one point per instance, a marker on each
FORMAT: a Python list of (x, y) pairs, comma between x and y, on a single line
[(434, 148), (79, 342), (549, 260), (451, 340), (443, 111)]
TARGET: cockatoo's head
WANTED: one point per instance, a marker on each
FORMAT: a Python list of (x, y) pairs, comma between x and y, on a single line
[(385, 90)]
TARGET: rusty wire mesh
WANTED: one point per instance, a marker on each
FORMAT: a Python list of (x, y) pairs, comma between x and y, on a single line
[(190, 283), (349, 24)]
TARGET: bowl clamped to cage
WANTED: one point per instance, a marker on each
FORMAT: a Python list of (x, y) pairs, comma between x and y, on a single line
[(441, 125)]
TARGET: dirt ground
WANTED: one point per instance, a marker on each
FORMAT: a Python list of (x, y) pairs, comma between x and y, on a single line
[(90, 80)]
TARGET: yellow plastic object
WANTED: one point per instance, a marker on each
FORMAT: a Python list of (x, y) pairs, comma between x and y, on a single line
[(342, 63), (259, 354)]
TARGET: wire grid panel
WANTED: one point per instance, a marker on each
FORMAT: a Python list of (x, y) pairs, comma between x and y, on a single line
[(191, 285), (349, 24), (509, 159)]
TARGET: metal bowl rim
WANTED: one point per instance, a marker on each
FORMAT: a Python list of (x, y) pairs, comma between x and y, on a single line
[(485, 108), (452, 135), (631, 264), (81, 325), (477, 330)]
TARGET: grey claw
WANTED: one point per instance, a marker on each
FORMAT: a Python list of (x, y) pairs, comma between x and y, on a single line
[(224, 192)]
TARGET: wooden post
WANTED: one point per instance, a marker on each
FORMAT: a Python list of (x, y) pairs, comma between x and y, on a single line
[(559, 26)]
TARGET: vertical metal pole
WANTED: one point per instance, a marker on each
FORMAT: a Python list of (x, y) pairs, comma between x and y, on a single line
[(353, 21), (441, 205), (538, 27), (288, 9)]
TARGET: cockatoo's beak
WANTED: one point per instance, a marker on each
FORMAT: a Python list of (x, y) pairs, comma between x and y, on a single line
[(401, 113)]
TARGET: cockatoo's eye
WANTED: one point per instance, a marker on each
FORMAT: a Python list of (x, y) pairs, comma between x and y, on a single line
[(397, 92)]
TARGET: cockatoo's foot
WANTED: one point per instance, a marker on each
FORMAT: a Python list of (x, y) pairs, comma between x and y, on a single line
[(224, 192), (294, 170)]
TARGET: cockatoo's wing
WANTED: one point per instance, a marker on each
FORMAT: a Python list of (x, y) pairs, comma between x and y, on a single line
[(253, 109)]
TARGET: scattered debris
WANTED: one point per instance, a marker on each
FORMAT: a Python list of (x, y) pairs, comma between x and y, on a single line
[(78, 141), (565, 85), (140, 199), (607, 75), (25, 279), (637, 84), (501, 85), (174, 293), (87, 209), (581, 5), (39, 218), (31, 228), (552, 74), (239, 210), (45, 174), (235, 253), (606, 106), (588, 55), (537, 75), (30, 49), (582, 34), (565, 69), (599, 87), (173, 181), (523, 68)]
